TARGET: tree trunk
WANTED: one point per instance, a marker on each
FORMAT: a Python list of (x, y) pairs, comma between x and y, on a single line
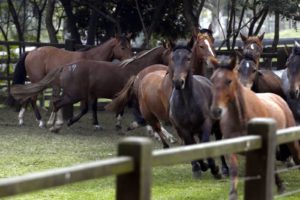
[(92, 29), (262, 20), (71, 20), (16, 21), (49, 22), (191, 14), (276, 31)]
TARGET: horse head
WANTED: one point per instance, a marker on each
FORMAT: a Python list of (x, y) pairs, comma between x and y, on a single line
[(225, 81), (179, 65), (248, 69), (253, 45), (122, 49), (293, 71)]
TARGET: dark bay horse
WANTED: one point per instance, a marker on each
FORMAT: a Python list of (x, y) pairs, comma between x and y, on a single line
[(291, 81), (202, 43), (235, 105), (189, 104), (87, 80), (39, 62)]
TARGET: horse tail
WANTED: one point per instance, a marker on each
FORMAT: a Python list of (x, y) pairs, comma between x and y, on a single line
[(122, 98), (20, 71), (24, 92)]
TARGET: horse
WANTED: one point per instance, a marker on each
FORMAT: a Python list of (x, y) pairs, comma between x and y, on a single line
[(253, 44), (203, 48), (291, 81), (189, 104), (234, 105), (39, 62), (202, 42), (259, 81), (87, 80)]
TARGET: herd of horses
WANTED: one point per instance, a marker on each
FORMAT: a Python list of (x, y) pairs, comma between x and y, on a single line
[(184, 84)]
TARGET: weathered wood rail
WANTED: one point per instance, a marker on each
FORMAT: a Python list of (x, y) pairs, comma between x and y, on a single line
[(133, 166)]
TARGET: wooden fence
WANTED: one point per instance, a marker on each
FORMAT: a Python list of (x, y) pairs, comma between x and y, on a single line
[(133, 165)]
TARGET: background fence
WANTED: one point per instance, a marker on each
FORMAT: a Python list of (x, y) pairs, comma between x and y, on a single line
[(133, 166)]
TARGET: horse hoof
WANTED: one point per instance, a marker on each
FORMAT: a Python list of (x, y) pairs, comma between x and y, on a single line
[(197, 174), (216, 173), (281, 189), (233, 196), (118, 127), (98, 128), (173, 140), (54, 129)]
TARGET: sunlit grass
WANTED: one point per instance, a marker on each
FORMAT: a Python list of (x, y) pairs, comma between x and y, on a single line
[(30, 149)]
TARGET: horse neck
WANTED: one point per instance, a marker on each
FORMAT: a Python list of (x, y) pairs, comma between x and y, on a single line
[(103, 52), (198, 65), (151, 58), (237, 108)]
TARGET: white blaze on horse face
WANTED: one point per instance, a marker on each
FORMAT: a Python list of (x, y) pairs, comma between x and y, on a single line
[(72, 67), (247, 64), (209, 47), (252, 47)]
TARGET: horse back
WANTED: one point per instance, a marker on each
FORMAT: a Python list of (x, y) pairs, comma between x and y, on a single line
[(278, 109)]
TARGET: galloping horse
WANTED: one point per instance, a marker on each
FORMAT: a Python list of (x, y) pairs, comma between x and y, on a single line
[(235, 105), (161, 87), (189, 104), (291, 81), (39, 62), (90, 80)]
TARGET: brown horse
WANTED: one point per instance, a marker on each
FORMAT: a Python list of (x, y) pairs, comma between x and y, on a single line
[(88, 80), (202, 50), (39, 62), (235, 105)]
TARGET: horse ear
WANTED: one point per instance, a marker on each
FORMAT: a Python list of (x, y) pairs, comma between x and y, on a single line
[(129, 36), (243, 37), (190, 44), (169, 44), (239, 55), (261, 37), (210, 27), (232, 64), (297, 44), (195, 32), (117, 36)]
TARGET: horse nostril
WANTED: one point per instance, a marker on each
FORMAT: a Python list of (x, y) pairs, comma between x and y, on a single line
[(216, 112)]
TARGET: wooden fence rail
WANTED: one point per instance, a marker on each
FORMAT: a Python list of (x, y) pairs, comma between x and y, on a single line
[(133, 166)]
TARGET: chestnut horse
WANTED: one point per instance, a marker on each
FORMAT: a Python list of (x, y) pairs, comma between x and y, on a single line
[(39, 62), (235, 105), (291, 81), (87, 80), (202, 49)]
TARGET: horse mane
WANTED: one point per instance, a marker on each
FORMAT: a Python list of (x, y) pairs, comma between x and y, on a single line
[(134, 58), (296, 50)]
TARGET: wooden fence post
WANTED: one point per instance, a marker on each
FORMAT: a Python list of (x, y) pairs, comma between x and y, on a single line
[(68, 110), (136, 185), (261, 162)]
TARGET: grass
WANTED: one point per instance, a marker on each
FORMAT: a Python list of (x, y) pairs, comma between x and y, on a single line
[(30, 149)]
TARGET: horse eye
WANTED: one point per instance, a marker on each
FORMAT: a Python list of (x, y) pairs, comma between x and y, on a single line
[(228, 82)]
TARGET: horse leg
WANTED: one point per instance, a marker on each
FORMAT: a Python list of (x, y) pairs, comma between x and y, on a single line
[(279, 184), (168, 135), (55, 95), (37, 112), (157, 128), (218, 136), (83, 110), (138, 118), (95, 117), (188, 139), (21, 114), (233, 195), (204, 137), (119, 118)]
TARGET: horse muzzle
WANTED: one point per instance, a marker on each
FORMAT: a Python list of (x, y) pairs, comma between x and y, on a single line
[(179, 84), (216, 112), (294, 94)]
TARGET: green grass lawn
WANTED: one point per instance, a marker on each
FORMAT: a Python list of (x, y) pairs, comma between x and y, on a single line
[(30, 149)]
